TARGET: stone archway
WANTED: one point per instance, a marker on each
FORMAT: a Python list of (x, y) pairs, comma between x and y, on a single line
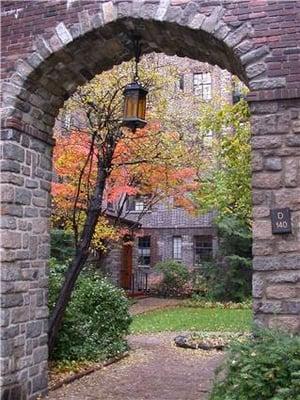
[(258, 41)]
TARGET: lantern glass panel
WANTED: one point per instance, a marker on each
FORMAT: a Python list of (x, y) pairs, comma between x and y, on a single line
[(131, 104), (142, 106)]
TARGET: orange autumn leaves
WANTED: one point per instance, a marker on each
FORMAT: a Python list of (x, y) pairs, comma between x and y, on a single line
[(148, 162)]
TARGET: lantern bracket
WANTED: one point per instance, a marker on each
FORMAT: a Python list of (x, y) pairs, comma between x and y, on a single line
[(137, 55)]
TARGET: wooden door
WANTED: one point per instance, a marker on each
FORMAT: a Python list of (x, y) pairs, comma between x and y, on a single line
[(126, 270)]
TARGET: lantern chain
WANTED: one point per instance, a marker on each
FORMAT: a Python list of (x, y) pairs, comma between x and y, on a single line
[(137, 50)]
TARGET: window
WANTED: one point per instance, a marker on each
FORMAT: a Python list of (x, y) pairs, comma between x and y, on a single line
[(136, 204), (67, 121), (177, 247), (144, 251), (202, 85), (203, 250), (139, 205)]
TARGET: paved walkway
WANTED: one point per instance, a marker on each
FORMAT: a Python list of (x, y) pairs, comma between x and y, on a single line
[(155, 370), (152, 303)]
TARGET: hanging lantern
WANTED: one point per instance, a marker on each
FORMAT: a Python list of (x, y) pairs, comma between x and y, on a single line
[(134, 106), (135, 98)]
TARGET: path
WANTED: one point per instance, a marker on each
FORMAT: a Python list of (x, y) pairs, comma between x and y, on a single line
[(155, 370), (152, 303)]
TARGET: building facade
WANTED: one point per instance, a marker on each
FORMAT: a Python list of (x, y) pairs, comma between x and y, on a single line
[(168, 231)]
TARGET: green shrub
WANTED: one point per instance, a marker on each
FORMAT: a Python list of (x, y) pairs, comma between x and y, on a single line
[(266, 367), (96, 319), (229, 276), (62, 245), (229, 280), (175, 278)]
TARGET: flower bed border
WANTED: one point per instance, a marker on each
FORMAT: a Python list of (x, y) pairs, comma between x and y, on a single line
[(88, 371)]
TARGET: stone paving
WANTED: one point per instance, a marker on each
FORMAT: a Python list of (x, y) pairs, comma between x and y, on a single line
[(155, 370)]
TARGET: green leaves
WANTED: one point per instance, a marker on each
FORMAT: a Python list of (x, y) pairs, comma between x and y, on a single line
[(96, 320), (225, 176), (265, 368)]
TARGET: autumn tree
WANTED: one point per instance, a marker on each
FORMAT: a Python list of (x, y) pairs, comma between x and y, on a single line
[(224, 173), (99, 159)]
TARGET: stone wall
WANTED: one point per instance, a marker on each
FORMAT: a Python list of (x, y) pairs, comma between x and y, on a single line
[(276, 184), (50, 48), (25, 176), (162, 243)]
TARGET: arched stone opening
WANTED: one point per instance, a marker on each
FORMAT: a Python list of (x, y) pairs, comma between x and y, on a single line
[(70, 54)]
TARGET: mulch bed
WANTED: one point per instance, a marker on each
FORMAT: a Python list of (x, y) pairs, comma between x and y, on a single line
[(59, 378)]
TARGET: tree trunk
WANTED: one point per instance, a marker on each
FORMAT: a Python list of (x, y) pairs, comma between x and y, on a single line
[(77, 264)]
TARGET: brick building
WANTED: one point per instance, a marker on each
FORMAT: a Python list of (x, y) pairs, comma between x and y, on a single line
[(49, 49), (168, 231)]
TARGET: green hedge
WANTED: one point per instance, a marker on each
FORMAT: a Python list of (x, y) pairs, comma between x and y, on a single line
[(266, 367), (96, 321), (175, 277)]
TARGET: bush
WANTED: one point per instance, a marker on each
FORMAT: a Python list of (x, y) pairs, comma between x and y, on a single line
[(229, 280), (229, 276), (175, 278), (266, 367), (62, 245), (96, 319)]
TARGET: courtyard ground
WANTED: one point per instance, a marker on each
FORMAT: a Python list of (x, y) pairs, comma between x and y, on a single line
[(155, 370), (146, 304)]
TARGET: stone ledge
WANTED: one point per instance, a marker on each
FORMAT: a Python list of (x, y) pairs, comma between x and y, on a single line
[(13, 123)]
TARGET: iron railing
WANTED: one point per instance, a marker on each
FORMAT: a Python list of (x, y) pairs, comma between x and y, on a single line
[(139, 282)]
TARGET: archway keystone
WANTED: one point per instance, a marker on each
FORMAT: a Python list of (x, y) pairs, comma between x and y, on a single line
[(51, 48)]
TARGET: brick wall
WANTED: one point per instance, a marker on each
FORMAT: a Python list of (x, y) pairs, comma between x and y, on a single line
[(49, 48)]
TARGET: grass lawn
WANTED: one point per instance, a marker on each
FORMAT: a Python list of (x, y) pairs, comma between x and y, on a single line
[(193, 319)]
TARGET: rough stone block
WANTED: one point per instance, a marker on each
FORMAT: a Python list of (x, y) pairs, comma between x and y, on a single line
[(210, 22), (11, 300), (9, 166), (265, 180), (288, 198), (13, 152), (254, 70), (284, 323), (20, 314), (23, 196), (293, 141), (270, 83), (256, 161), (276, 263), (273, 164), (9, 177), (63, 33), (7, 222), (11, 240), (262, 229), (40, 354), (291, 172), (266, 142), (39, 383), (34, 329), (110, 12), (238, 35), (258, 283), (254, 55), (197, 21), (281, 292)]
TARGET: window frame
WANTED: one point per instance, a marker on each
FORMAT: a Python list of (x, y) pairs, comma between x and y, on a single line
[(144, 251), (177, 249), (199, 250), (198, 87)]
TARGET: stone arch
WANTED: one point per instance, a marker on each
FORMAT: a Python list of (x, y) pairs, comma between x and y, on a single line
[(70, 57), (89, 38)]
